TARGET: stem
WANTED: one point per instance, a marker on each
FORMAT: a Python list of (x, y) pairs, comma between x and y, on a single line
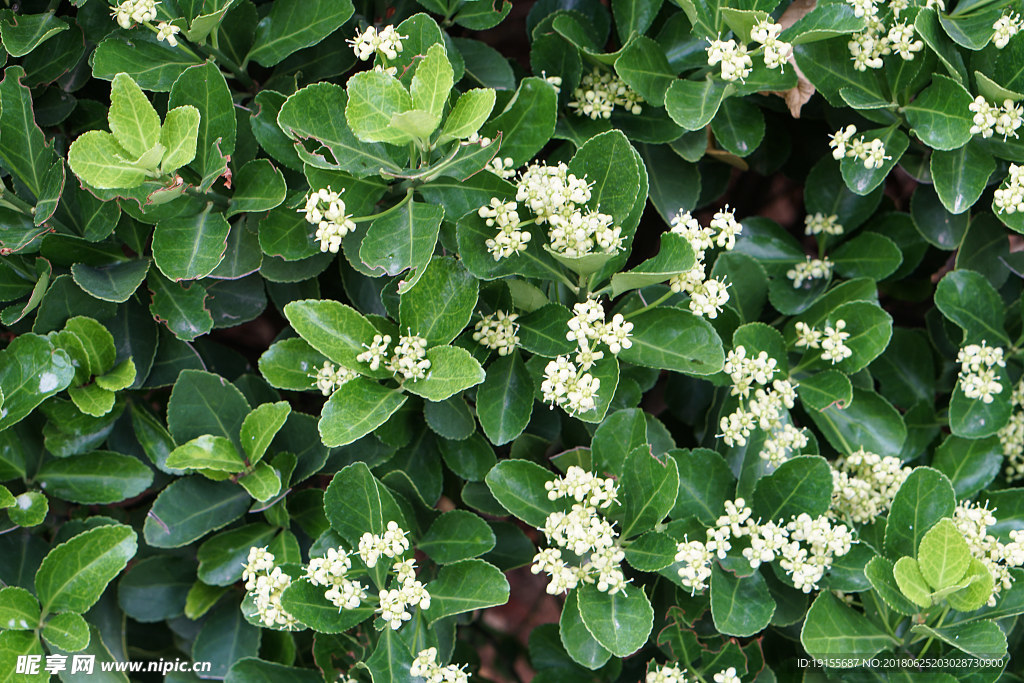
[(663, 298), (928, 642), (405, 200), (212, 198)]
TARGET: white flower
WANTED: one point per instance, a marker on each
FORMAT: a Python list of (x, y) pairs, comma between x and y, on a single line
[(426, 667), (696, 569), (863, 8), (864, 484), (328, 378), (330, 571), (599, 93), (708, 297), (325, 209), (376, 352), (387, 43), (727, 676), (973, 520), (392, 544), (811, 269), (497, 332), (135, 12), (901, 40), (410, 357), (746, 372), (866, 50), (1005, 28), (819, 223), (833, 343), (265, 582), (165, 31), (502, 167), (978, 377), (840, 140), (736, 63), (667, 674), (1010, 197), (807, 336), (776, 52)]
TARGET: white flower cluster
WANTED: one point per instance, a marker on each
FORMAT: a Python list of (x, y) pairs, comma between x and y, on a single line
[(843, 144), (569, 384), (330, 571), (502, 167), (819, 223), (831, 340), (707, 295), (132, 12), (407, 591), (1012, 436), (328, 378), (727, 676), (990, 119), (497, 332), (811, 269), (736, 63), (805, 546), (668, 673), (584, 533), (765, 410), (326, 210), (408, 358), (168, 32), (776, 52), (265, 581), (510, 239), (600, 92), (978, 376), (426, 667), (386, 42), (973, 521), (864, 484), (1005, 28), (878, 40), (1010, 199)]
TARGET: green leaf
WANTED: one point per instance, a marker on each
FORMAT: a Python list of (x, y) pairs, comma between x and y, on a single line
[(204, 88), (693, 104), (133, 120), (31, 370), (19, 609), (190, 248), (879, 571), (970, 464), (224, 638), (927, 27), (648, 490), (869, 254), (465, 586), (519, 486), (259, 428), (120, 377), (96, 478), (258, 187), (97, 342), (938, 227), (74, 574), (674, 256), (834, 629), (452, 369), (318, 112), (671, 339), (651, 552), (439, 308), (472, 457), (981, 639), (961, 175), (178, 136), (801, 484), (29, 509), (978, 590), (262, 483), (96, 158), (863, 180), (967, 298), (943, 555), (356, 503), (579, 644), (432, 83), (925, 497), (403, 240), (291, 364), (14, 644), (825, 389), (392, 658), (92, 399), (222, 556), (374, 98), (294, 24), (115, 282), (824, 21), (940, 116), (972, 418), (203, 403), (827, 65), (21, 33), (869, 422), (738, 126), (207, 452), (542, 332), (307, 603), (457, 535), (705, 483), (23, 149), (644, 68), (469, 113), (67, 631), (356, 409), (911, 582), (621, 623), (191, 507), (156, 588), (182, 309), (333, 329), (504, 402), (740, 606), (527, 122)]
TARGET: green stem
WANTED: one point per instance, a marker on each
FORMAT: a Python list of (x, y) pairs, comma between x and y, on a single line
[(938, 623), (218, 200), (372, 217), (660, 300)]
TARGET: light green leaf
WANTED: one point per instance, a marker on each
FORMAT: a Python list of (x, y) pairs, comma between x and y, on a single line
[(92, 399), (374, 98), (260, 427), (29, 509), (121, 376), (207, 452), (912, 583), (333, 329), (621, 622), (469, 113), (19, 609), (263, 483), (291, 364), (96, 158), (432, 83), (133, 120), (356, 409), (943, 555), (178, 137), (879, 571), (452, 369), (977, 592), (74, 574)]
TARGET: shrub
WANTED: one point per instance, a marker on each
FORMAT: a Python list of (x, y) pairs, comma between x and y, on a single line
[(692, 331)]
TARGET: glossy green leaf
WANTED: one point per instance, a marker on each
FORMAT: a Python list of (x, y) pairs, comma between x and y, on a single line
[(469, 113), (943, 555), (832, 628), (457, 535), (869, 422), (671, 339), (31, 370), (291, 364), (403, 240), (801, 484), (156, 588), (133, 120), (307, 603), (925, 497), (674, 256), (577, 640), (115, 282), (222, 556), (504, 402), (441, 304), (740, 606), (23, 148), (96, 478), (356, 503), (181, 308), (67, 631), (259, 187), (259, 428), (647, 490), (19, 609), (204, 88), (207, 452), (333, 329), (294, 24), (527, 121), (191, 507), (356, 409), (519, 486), (452, 370), (74, 574), (693, 104), (961, 175), (967, 298), (374, 99), (203, 403), (879, 572), (982, 639), (940, 116), (190, 248), (970, 464), (621, 622)]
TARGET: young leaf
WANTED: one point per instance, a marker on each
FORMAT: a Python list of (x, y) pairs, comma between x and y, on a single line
[(133, 120), (469, 113), (912, 583), (259, 428)]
